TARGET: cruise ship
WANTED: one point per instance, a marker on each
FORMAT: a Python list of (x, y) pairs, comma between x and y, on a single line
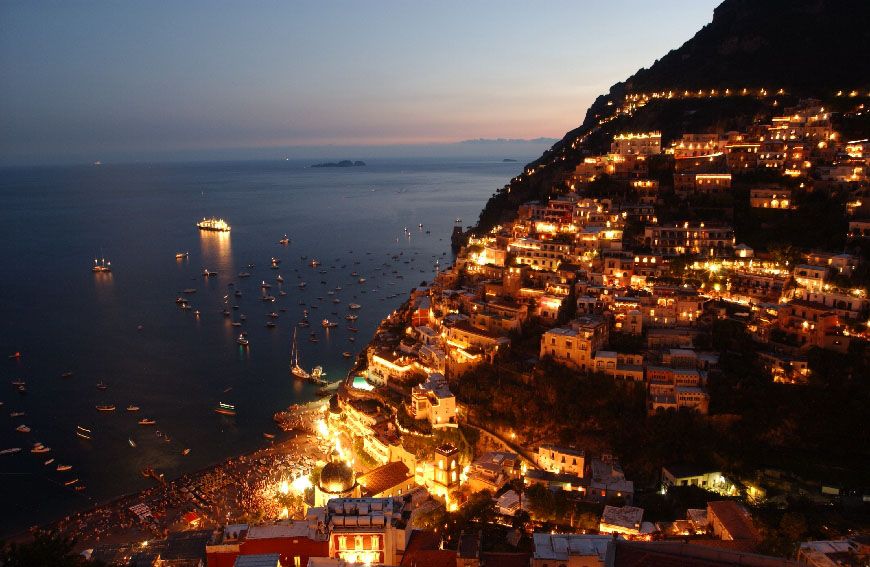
[(218, 225)]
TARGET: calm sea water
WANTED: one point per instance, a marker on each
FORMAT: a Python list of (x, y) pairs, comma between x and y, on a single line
[(178, 367)]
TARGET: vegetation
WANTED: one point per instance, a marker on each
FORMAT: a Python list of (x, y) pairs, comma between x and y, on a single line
[(46, 550)]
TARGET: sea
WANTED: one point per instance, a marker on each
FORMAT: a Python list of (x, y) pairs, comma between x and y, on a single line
[(388, 222)]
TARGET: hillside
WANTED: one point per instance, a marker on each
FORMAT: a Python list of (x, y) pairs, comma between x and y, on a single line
[(804, 47)]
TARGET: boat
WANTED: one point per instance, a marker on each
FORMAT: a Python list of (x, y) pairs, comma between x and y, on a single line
[(264, 285), (79, 487), (317, 374), (295, 369), (225, 409), (82, 429), (101, 266), (207, 274), (16, 414), (131, 442), (66, 374), (102, 385), (285, 241), (346, 354), (48, 462), (269, 435), (18, 382), (302, 284), (268, 298), (314, 263), (83, 435), (181, 255), (61, 468), (189, 291), (280, 279), (105, 408), (238, 293), (131, 407), (242, 340), (146, 421), (213, 224), (362, 280), (185, 452), (22, 389), (327, 324), (244, 275), (10, 451), (22, 429), (236, 324), (354, 306), (71, 482), (40, 448), (351, 317), (271, 324)]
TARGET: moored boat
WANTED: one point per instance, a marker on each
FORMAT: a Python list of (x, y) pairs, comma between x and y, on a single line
[(213, 224), (146, 421), (225, 409), (105, 407)]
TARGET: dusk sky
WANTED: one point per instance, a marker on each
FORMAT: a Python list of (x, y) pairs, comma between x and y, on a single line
[(138, 80)]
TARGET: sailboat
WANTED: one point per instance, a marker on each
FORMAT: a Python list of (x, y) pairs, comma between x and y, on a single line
[(295, 369)]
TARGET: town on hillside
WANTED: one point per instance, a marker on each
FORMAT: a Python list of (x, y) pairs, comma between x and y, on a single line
[(647, 367)]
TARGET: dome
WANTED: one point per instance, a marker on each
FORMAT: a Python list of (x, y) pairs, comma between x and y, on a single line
[(336, 477)]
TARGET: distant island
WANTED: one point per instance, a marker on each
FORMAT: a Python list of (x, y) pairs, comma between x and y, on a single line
[(508, 160), (342, 163)]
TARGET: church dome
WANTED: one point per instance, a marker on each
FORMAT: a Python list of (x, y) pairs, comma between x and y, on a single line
[(336, 477)]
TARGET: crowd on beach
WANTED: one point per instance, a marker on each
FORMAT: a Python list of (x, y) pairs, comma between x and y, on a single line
[(245, 488)]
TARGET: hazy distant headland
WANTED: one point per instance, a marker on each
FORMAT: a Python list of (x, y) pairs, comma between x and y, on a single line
[(342, 163)]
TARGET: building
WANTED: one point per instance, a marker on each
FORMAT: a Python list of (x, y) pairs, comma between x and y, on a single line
[(624, 520), (637, 144), (365, 530), (434, 402), (576, 345), (772, 198), (690, 238), (336, 481), (393, 479), (730, 521), (558, 459), (683, 475), (262, 560), (441, 475), (834, 553), (556, 550), (293, 542)]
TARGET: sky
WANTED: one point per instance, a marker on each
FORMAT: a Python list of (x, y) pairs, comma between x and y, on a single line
[(127, 80)]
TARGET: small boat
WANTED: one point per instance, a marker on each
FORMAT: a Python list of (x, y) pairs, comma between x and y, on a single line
[(242, 340), (66, 374), (189, 290), (317, 374), (146, 421), (282, 293), (101, 266), (268, 298), (362, 280), (48, 462), (314, 263), (16, 414), (14, 355), (285, 241), (264, 285), (269, 435), (22, 429), (40, 448), (354, 306), (327, 324), (346, 354), (82, 429), (225, 409), (185, 452), (102, 385), (243, 317), (207, 274), (271, 324), (280, 279), (22, 389), (131, 407), (244, 275), (84, 436), (236, 324), (61, 468), (131, 442), (238, 293), (79, 487), (273, 315), (71, 482), (352, 329), (105, 408), (351, 317), (10, 451), (181, 255), (18, 382)]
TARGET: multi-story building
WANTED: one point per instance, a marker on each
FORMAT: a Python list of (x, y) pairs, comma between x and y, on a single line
[(434, 402), (557, 459), (705, 239), (576, 344), (638, 144), (771, 198), (365, 530)]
